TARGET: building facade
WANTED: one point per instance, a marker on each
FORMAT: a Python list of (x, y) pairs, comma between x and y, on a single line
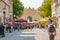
[(32, 13), (56, 10), (5, 9)]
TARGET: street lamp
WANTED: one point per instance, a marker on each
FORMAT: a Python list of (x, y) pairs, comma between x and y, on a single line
[(4, 14)]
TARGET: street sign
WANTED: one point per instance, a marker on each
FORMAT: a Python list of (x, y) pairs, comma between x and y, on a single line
[(59, 16)]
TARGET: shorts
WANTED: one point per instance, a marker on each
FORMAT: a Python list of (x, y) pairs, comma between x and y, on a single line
[(51, 37), (53, 33)]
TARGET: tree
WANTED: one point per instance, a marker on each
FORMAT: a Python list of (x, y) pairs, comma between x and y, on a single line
[(30, 18), (17, 8), (46, 8)]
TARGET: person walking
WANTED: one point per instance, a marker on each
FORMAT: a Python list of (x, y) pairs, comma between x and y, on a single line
[(9, 26), (2, 28), (51, 30)]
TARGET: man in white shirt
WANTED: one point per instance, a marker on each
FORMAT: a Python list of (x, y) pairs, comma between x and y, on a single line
[(51, 30)]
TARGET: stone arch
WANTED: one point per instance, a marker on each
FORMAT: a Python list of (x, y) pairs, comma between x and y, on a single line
[(29, 18)]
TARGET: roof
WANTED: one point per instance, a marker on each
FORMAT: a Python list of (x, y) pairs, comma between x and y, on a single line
[(4, 2)]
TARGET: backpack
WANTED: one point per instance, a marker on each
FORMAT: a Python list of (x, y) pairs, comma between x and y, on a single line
[(52, 28)]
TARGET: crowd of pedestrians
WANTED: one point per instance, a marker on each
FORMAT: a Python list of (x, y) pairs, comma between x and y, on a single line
[(24, 25)]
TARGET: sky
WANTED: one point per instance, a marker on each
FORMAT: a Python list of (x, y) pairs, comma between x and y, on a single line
[(31, 3)]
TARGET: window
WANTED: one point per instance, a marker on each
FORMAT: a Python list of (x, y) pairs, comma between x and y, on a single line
[(58, 1)]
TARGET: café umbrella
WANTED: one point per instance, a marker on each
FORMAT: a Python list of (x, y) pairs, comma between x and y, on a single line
[(42, 21)]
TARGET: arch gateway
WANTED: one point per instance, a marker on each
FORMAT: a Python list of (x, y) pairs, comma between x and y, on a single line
[(33, 13)]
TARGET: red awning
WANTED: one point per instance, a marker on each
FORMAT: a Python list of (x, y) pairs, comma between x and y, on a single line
[(21, 20)]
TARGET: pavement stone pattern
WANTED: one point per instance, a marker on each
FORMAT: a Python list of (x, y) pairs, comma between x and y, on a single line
[(29, 34)]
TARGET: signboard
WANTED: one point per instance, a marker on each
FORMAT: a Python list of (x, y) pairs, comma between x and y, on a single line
[(59, 16)]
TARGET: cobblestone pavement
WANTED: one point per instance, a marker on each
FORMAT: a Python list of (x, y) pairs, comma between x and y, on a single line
[(29, 34)]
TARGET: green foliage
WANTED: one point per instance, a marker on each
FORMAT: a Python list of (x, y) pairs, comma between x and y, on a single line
[(42, 25), (17, 8), (45, 9), (30, 18)]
